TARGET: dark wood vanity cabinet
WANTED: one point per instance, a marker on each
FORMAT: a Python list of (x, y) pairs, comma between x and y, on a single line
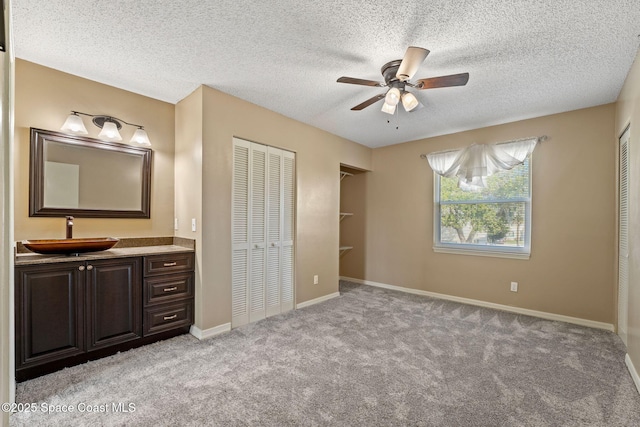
[(49, 313), (71, 312), (113, 302), (168, 292)]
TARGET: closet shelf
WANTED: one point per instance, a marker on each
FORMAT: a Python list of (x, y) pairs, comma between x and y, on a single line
[(343, 174), (345, 214), (344, 249)]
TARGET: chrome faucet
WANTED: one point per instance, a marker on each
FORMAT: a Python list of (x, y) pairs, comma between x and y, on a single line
[(69, 227)]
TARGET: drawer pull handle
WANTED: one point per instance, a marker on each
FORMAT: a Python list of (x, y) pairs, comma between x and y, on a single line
[(173, 288), (170, 264), (170, 317)]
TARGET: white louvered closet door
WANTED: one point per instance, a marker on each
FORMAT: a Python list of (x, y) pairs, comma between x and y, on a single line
[(288, 229), (258, 232), (240, 233), (623, 236), (263, 232), (274, 233)]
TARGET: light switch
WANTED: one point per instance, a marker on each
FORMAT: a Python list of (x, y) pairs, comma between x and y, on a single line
[(193, 224)]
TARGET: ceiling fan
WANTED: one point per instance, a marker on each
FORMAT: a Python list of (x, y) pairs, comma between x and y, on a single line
[(396, 77)]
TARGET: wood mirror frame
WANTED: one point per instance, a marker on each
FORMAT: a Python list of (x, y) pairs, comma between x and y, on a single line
[(39, 139)]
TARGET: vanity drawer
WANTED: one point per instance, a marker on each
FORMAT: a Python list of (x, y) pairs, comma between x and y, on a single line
[(167, 316), (162, 289), (168, 263)]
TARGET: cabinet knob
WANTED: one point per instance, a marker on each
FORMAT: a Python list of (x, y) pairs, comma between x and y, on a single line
[(81, 268), (89, 267)]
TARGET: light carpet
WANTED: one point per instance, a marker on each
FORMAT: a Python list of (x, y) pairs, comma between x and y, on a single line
[(371, 357)]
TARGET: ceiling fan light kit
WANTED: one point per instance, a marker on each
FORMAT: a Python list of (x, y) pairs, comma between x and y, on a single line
[(388, 108), (396, 77), (392, 97), (409, 101)]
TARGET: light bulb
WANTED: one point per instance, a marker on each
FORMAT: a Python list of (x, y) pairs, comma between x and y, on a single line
[(393, 96), (110, 132), (388, 108), (74, 124), (409, 101), (141, 137)]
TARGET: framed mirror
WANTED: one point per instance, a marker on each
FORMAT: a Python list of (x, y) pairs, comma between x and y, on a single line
[(85, 177)]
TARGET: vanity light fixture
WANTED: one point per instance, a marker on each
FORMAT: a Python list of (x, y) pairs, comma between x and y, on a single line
[(110, 127), (74, 124)]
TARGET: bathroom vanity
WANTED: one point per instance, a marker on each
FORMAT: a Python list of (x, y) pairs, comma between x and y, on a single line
[(72, 309)]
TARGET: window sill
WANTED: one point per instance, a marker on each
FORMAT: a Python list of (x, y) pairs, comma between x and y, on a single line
[(482, 252)]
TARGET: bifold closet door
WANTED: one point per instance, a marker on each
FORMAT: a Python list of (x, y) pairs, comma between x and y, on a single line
[(262, 232), (240, 233), (257, 232), (280, 226), (288, 230), (623, 235)]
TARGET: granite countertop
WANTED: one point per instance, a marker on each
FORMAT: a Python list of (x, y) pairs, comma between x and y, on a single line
[(31, 258)]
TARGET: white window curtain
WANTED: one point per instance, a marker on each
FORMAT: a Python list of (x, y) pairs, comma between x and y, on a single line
[(474, 163)]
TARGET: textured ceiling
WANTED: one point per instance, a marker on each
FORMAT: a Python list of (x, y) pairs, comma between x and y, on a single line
[(525, 58)]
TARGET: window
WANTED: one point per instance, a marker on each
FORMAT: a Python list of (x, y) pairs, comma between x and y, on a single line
[(492, 221)]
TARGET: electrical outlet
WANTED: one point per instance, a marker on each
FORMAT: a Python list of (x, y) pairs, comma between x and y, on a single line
[(193, 224), (315, 279), (175, 223), (514, 286)]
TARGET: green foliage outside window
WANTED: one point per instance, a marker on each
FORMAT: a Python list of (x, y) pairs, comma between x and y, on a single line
[(494, 215)]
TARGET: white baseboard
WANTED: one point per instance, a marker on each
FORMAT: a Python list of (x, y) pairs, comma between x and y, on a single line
[(632, 371), (517, 310), (317, 300), (211, 332), (226, 327)]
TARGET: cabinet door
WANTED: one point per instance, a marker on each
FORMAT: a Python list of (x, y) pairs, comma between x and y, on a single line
[(49, 305), (114, 302)]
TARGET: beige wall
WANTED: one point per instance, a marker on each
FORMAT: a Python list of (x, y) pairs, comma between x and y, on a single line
[(355, 155), (188, 181), (571, 268), (628, 111), (44, 98), (318, 158)]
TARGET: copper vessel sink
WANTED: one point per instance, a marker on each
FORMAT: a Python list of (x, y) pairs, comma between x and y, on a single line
[(70, 246)]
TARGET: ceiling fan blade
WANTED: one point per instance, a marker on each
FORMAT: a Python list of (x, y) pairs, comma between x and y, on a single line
[(368, 102), (443, 81), (413, 57), (363, 82)]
